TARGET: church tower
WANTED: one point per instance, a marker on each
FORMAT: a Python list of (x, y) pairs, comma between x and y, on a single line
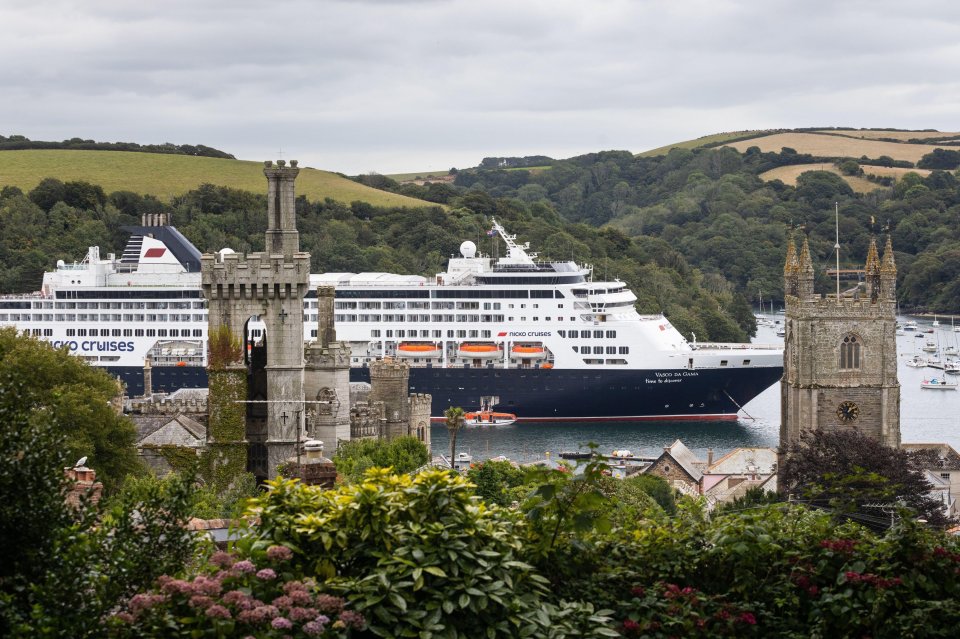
[(840, 352)]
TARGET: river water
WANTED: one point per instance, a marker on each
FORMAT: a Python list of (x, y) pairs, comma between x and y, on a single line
[(926, 416)]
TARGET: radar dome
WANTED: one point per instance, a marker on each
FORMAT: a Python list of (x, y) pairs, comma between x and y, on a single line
[(468, 249), (225, 251)]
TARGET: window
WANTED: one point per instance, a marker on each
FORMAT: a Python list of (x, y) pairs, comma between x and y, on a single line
[(624, 350), (850, 353)]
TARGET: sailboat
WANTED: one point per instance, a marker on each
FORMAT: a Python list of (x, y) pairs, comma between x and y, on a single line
[(936, 322)]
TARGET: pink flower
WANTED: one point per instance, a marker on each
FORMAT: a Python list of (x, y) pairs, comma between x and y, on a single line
[(222, 559), (329, 604), (175, 586), (245, 566), (281, 623), (266, 574), (748, 618), (200, 602), (217, 612), (283, 601), (300, 597), (630, 625), (352, 619), (313, 629), (303, 614), (234, 597), (123, 617), (207, 586), (279, 553), (140, 602), (813, 590), (638, 591)]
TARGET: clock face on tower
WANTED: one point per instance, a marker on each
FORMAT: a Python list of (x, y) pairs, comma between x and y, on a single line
[(848, 412)]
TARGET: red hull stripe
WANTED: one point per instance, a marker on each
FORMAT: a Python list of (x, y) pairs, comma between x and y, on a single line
[(155, 252), (721, 417)]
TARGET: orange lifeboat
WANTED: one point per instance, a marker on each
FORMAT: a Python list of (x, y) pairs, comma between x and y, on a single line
[(479, 351), (527, 352), (418, 349)]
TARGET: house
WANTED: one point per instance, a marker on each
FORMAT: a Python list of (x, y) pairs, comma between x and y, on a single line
[(940, 462), (738, 471), (159, 436), (680, 467)]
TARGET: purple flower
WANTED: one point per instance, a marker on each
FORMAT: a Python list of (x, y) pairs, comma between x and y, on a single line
[(234, 598), (279, 553), (141, 602), (283, 601), (353, 619), (300, 597), (244, 566), (217, 612), (222, 559), (281, 623), (330, 604), (266, 574), (200, 602), (313, 629), (123, 617), (207, 586), (303, 614)]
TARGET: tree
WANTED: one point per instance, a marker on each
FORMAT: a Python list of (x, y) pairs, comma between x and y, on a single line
[(945, 159), (42, 382), (454, 421), (64, 569), (845, 471), (403, 455)]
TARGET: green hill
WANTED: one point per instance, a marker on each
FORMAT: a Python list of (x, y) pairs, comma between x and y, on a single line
[(165, 176)]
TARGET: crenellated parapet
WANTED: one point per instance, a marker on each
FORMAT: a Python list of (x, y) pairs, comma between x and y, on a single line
[(255, 276)]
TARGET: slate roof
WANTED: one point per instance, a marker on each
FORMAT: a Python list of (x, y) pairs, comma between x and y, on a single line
[(148, 425), (745, 461), (934, 456), (685, 458)]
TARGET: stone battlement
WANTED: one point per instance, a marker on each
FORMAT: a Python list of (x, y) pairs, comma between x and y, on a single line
[(152, 406), (827, 307), (387, 368), (257, 275)]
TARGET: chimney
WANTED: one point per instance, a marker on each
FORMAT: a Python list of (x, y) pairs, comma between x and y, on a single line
[(83, 484), (709, 457), (147, 378)]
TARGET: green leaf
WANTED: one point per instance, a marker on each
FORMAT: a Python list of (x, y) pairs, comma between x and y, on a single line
[(435, 570)]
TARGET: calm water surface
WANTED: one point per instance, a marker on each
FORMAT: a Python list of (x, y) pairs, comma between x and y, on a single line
[(926, 416)]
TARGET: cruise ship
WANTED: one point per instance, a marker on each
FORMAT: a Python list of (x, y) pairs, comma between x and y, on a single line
[(543, 339)]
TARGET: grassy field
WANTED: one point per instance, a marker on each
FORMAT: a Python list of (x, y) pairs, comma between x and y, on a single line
[(407, 177), (693, 144), (892, 135), (836, 146), (168, 175), (788, 174)]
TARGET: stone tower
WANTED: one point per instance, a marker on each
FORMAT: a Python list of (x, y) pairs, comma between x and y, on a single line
[(271, 286), (327, 377), (389, 383), (840, 352)]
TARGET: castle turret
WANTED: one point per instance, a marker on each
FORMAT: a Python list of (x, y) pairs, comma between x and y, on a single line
[(790, 269), (871, 272), (888, 274), (805, 274), (282, 235)]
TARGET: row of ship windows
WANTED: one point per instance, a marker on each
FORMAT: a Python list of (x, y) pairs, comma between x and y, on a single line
[(600, 350), (102, 317), (580, 334), (435, 334), (448, 306), (127, 332), (460, 319), (102, 305)]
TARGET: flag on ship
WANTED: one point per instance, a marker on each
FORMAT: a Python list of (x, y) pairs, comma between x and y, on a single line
[(492, 232)]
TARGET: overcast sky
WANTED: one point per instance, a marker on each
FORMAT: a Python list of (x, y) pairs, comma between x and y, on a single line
[(395, 85)]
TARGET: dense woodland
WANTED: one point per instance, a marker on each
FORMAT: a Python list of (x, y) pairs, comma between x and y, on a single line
[(712, 209), (20, 142), (696, 234)]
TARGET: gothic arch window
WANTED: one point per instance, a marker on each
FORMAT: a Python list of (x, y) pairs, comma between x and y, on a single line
[(851, 353)]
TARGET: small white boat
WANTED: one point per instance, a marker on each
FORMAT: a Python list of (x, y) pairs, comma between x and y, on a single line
[(938, 384), (951, 351), (936, 322), (952, 368), (910, 326), (900, 330), (489, 418), (916, 362), (781, 332), (929, 347)]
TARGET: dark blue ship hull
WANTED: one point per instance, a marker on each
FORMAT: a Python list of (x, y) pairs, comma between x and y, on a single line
[(548, 394)]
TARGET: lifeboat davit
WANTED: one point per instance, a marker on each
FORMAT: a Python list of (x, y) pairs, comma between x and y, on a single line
[(476, 351), (418, 349), (528, 352)]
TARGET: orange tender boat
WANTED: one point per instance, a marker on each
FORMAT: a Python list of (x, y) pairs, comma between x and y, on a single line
[(527, 352), (479, 350)]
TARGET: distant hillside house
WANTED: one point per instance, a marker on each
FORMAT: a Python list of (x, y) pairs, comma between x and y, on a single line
[(680, 467)]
